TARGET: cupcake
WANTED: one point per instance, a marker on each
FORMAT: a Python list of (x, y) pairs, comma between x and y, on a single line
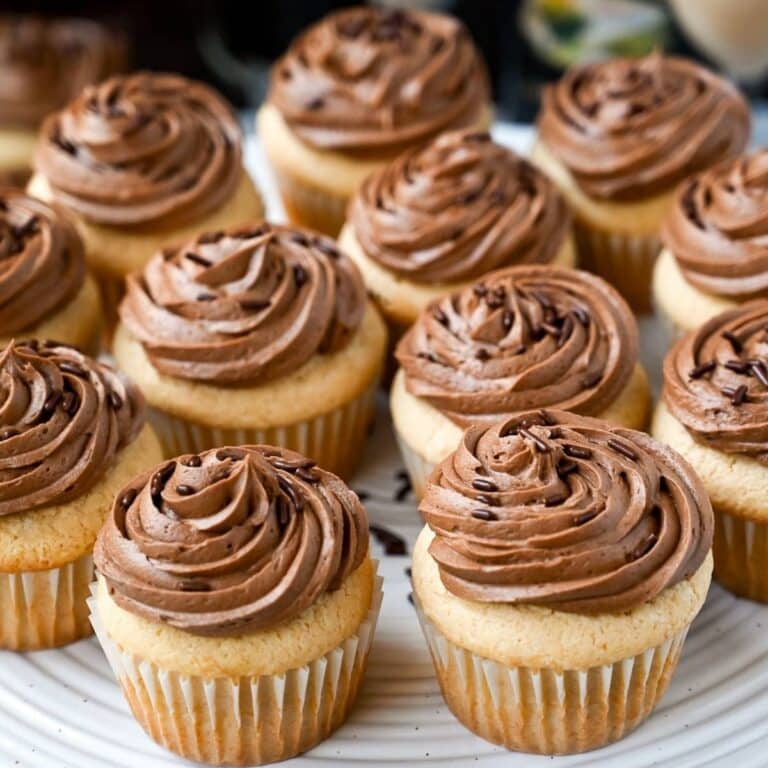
[(355, 90), (236, 603), (260, 335), (140, 162), (524, 337), (442, 215), (715, 238), (617, 136), (562, 564), (714, 411), (71, 435), (46, 62), (45, 292)]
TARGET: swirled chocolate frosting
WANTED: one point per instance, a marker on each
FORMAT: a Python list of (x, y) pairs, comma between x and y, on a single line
[(524, 337), (374, 79), (42, 263), (718, 228), (716, 381), (553, 509), (628, 128), (63, 418), (244, 306), (457, 208), (230, 541), (46, 62), (146, 148)]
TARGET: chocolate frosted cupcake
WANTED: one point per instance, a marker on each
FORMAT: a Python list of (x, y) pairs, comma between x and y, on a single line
[(714, 411), (71, 435), (45, 63), (524, 337), (357, 88), (715, 243), (255, 335), (617, 136), (562, 564), (237, 602), (142, 161), (45, 292), (442, 215)]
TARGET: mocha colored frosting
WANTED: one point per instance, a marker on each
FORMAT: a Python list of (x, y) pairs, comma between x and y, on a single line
[(146, 148), (374, 79), (42, 264), (230, 541), (63, 419), (245, 306), (554, 509), (523, 337), (46, 62), (716, 381), (457, 208), (629, 128), (718, 228)]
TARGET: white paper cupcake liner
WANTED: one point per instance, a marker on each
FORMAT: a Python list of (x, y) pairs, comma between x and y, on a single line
[(623, 259), (547, 711), (417, 467), (334, 439), (245, 720), (45, 609), (740, 549)]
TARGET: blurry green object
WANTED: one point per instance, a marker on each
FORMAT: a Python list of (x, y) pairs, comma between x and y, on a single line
[(565, 32)]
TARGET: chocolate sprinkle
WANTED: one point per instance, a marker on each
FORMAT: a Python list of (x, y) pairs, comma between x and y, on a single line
[(584, 517), (619, 447), (192, 461), (577, 452), (184, 490), (702, 369), (643, 548), (538, 443), (484, 514), (128, 498), (197, 259), (299, 275), (482, 484)]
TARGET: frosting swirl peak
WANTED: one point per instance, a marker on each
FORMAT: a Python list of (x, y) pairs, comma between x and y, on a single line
[(46, 62), (716, 381), (42, 262), (63, 418), (230, 541), (244, 306), (457, 208), (373, 79), (558, 510), (718, 228), (628, 128), (524, 337), (146, 148)]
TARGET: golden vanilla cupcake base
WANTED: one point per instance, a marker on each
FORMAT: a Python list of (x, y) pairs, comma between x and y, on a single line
[(247, 720), (737, 488), (547, 711), (534, 679), (45, 609)]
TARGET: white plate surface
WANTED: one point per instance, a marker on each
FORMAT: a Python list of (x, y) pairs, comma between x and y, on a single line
[(62, 709)]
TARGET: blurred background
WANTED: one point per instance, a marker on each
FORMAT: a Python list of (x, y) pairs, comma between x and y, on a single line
[(526, 42)]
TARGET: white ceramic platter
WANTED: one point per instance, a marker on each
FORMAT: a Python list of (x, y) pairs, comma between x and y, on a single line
[(62, 709)]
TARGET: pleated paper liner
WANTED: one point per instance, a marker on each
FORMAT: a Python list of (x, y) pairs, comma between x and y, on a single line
[(334, 440), (417, 467), (45, 609), (740, 549), (309, 206), (625, 260), (545, 711), (244, 720)]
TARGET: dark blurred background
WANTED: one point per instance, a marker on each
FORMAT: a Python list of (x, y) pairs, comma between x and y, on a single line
[(526, 42)]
